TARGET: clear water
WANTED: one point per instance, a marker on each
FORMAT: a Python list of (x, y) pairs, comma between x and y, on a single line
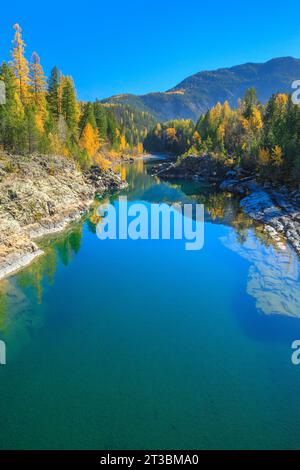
[(141, 344)]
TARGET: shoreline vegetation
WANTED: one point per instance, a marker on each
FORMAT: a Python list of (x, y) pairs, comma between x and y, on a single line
[(262, 139), (252, 151)]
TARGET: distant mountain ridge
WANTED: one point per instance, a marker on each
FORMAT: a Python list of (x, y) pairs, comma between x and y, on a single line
[(194, 95)]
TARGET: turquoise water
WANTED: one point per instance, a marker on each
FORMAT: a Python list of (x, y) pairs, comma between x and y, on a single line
[(123, 344)]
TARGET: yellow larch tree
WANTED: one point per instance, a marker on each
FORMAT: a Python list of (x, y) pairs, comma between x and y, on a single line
[(264, 156), (281, 99), (216, 113), (89, 140), (256, 119), (140, 148), (123, 142), (20, 65), (226, 111), (37, 77), (38, 90), (277, 155)]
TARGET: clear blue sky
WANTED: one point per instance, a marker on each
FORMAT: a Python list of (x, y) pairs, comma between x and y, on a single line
[(118, 46)]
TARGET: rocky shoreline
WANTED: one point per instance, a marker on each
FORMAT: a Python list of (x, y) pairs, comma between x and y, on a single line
[(41, 195), (276, 208)]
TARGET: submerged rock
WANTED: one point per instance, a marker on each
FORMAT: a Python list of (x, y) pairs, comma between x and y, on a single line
[(273, 277)]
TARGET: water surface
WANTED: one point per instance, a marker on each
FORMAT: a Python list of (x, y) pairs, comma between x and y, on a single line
[(123, 344)]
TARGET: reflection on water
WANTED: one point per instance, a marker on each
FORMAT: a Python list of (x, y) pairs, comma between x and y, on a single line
[(273, 278), (273, 274), (18, 314), (145, 345)]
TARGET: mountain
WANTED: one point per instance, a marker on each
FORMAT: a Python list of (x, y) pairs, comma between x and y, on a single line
[(194, 95)]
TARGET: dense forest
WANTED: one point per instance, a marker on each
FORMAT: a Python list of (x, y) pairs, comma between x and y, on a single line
[(44, 115), (264, 139)]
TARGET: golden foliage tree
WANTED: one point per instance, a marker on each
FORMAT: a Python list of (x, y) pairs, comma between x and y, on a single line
[(20, 65), (89, 140), (123, 142), (37, 76), (264, 156), (38, 90), (277, 155)]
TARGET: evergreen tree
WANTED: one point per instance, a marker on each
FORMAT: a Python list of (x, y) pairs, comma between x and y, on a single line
[(101, 120), (11, 113), (87, 116), (69, 106), (53, 96)]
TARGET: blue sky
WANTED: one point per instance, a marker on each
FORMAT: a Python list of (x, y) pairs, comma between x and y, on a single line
[(117, 46)]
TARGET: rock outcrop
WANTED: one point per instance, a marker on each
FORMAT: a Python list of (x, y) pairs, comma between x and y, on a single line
[(41, 195)]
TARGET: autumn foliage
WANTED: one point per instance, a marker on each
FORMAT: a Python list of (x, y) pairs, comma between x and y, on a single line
[(261, 138), (44, 115)]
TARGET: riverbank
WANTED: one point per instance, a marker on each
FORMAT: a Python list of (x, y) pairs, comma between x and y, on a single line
[(276, 208), (41, 195)]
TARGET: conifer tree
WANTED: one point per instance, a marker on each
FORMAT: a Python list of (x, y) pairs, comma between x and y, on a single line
[(69, 104), (101, 119), (89, 140), (87, 116), (20, 65), (37, 76), (11, 113), (53, 97), (38, 90)]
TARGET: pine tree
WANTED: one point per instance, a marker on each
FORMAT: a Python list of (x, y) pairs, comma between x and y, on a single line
[(112, 133), (69, 104), (53, 97), (32, 132), (101, 120), (87, 116), (20, 65)]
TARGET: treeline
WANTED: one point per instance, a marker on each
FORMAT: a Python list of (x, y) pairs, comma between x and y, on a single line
[(44, 115), (261, 138)]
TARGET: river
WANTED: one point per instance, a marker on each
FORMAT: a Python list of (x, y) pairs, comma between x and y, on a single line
[(123, 344)]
